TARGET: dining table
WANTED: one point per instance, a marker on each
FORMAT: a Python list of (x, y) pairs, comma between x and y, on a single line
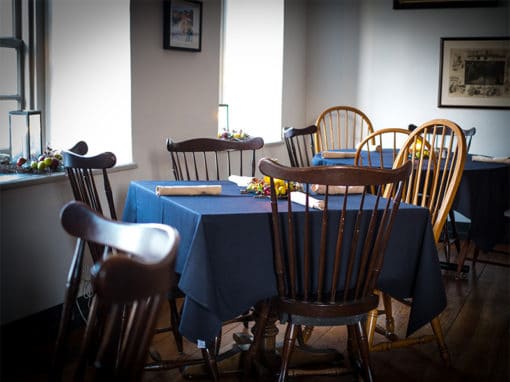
[(482, 196), (225, 256)]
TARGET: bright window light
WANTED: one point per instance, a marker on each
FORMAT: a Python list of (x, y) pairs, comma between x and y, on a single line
[(252, 66)]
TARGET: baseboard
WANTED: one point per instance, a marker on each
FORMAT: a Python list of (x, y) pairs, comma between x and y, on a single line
[(43, 324)]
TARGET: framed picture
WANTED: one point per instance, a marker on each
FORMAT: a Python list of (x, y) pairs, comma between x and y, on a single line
[(475, 72), (413, 4), (182, 25)]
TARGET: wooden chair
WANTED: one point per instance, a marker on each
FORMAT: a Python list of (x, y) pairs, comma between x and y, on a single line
[(213, 159), (133, 282), (341, 127), (438, 152), (347, 248), (80, 172), (372, 147), (453, 237), (300, 145), (374, 144)]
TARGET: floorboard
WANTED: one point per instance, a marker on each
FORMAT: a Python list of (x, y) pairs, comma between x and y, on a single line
[(476, 325)]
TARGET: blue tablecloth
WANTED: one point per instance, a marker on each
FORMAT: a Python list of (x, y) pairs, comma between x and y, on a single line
[(483, 195), (225, 255)]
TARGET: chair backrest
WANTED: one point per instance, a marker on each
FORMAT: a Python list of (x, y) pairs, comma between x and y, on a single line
[(129, 288), (341, 127), (376, 143), (300, 145), (438, 152), (330, 259), (469, 134), (80, 171), (213, 159)]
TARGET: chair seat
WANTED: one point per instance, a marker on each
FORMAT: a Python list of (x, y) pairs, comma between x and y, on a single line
[(325, 314)]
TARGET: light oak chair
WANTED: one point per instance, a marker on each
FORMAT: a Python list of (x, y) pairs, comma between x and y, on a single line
[(341, 127), (374, 144), (340, 289), (437, 150), (300, 144), (129, 286)]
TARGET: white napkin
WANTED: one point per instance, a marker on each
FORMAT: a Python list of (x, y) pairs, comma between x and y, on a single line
[(338, 154), (241, 181), (189, 190), (483, 158), (300, 198), (321, 189)]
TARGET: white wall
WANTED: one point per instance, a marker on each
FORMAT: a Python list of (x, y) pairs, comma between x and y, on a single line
[(386, 62)]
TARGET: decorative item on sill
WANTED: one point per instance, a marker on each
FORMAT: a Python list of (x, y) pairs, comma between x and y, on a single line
[(233, 135), (25, 135)]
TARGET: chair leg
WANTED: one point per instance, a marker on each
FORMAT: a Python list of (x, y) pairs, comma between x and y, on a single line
[(362, 347), (211, 363), (438, 333), (456, 239), (175, 319), (388, 309), (370, 325), (288, 345)]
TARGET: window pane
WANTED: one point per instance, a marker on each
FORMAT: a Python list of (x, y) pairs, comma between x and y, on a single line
[(6, 18), (253, 65), (8, 79)]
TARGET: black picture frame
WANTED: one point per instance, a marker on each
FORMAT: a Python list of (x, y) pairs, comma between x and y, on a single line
[(474, 72), (416, 4), (182, 25)]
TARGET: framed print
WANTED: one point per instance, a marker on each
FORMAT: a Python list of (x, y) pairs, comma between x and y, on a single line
[(475, 72), (182, 25), (413, 4)]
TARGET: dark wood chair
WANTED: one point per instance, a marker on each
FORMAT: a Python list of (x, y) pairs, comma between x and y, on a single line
[(300, 145), (450, 233), (133, 281), (438, 152), (80, 172), (327, 262), (213, 159)]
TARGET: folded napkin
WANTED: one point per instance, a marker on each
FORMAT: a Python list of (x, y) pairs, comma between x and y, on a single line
[(241, 181), (483, 158), (321, 189), (189, 190), (338, 154), (300, 198)]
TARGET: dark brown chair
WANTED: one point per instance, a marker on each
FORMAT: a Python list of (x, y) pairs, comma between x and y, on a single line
[(132, 282), (327, 262), (80, 171), (213, 159), (438, 152), (300, 145)]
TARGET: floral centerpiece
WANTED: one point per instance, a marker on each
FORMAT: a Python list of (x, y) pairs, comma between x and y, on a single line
[(233, 135), (262, 187)]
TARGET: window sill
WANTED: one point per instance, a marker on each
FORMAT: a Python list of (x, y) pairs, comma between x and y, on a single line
[(8, 181)]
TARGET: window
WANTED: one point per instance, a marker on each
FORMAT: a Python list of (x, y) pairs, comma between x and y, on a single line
[(252, 66), (21, 51), (82, 85)]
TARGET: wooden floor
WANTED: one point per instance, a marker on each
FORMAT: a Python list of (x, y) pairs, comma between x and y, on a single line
[(476, 324)]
